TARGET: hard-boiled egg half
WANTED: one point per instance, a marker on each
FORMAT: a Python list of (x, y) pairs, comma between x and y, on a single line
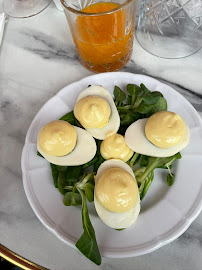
[(114, 146), (63, 144), (161, 135), (116, 195), (96, 111)]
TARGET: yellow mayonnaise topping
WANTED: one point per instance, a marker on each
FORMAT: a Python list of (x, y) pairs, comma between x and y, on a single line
[(114, 146), (57, 138), (116, 190), (92, 112), (165, 129)]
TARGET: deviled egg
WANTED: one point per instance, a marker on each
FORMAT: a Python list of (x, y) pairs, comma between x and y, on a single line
[(114, 146), (161, 135), (96, 111), (63, 144), (116, 195)]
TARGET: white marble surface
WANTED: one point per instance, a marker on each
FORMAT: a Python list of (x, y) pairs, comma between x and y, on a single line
[(37, 59)]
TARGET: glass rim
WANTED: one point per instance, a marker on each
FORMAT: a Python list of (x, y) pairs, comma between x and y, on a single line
[(81, 13)]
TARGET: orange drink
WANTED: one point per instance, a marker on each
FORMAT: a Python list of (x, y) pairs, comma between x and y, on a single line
[(103, 34)]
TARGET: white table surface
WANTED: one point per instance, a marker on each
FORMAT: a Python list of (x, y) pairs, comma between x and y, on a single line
[(37, 59)]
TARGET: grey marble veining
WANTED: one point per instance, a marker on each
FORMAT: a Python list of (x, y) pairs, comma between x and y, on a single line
[(37, 59), (43, 45)]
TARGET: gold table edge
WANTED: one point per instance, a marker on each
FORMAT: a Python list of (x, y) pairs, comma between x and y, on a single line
[(21, 262)]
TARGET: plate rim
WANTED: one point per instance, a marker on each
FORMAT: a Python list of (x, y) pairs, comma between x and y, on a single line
[(170, 236)]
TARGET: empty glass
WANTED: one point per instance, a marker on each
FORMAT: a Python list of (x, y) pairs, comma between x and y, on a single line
[(24, 8), (170, 28), (102, 31)]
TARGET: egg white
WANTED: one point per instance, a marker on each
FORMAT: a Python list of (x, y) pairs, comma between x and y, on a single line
[(83, 152), (114, 122), (111, 219), (137, 141)]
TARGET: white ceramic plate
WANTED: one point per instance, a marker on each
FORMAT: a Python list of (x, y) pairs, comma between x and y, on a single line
[(166, 212)]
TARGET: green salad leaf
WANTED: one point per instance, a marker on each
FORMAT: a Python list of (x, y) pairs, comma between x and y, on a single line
[(148, 100), (70, 118), (129, 117), (61, 182), (144, 88), (140, 103), (54, 174), (65, 176), (144, 175), (144, 161), (119, 95), (99, 157), (38, 154), (161, 105), (90, 163), (73, 173), (134, 159), (72, 198), (87, 243), (170, 179), (133, 91), (89, 192), (146, 184)]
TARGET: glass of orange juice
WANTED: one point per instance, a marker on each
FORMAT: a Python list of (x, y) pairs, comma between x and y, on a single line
[(102, 31)]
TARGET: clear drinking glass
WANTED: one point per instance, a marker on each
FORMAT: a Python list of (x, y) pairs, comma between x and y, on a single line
[(102, 32), (24, 8), (170, 28)]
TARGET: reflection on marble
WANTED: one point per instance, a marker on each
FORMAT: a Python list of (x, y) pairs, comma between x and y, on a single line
[(38, 58)]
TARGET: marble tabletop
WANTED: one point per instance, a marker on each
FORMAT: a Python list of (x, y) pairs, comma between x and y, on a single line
[(37, 59)]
